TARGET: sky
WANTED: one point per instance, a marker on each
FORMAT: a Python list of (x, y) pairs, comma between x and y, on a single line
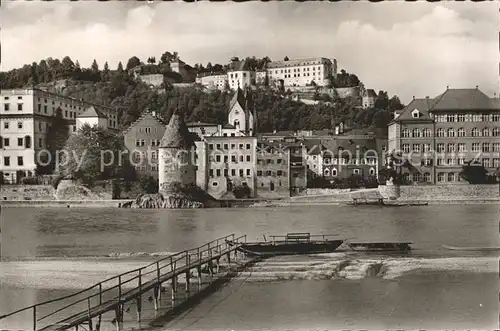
[(407, 49)]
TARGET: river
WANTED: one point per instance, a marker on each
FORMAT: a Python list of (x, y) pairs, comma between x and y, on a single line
[(47, 252)]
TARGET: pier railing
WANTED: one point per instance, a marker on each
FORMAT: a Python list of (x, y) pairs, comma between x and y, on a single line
[(112, 293)]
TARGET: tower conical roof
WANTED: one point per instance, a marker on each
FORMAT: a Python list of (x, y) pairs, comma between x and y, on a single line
[(177, 134)]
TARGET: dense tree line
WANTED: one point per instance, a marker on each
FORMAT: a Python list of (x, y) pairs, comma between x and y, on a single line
[(275, 111)]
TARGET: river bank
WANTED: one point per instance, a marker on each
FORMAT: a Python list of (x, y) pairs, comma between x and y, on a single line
[(296, 201)]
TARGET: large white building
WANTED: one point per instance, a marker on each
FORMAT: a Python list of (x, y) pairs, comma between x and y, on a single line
[(302, 72), (25, 120)]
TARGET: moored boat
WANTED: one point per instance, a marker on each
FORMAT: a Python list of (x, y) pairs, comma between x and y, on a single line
[(477, 249), (290, 244), (380, 246)]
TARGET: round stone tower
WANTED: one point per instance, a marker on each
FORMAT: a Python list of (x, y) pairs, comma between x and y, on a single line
[(176, 155)]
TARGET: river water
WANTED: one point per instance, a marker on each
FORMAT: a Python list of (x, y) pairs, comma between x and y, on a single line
[(49, 252)]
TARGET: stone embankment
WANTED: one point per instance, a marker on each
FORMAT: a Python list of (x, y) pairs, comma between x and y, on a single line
[(160, 201)]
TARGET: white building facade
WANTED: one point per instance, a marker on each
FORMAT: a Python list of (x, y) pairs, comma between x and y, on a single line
[(26, 117)]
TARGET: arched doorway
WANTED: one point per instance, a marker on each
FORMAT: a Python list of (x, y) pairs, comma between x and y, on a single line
[(271, 186)]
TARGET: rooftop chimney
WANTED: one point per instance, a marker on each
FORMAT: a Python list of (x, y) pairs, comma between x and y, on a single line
[(477, 87), (447, 87), (413, 97)]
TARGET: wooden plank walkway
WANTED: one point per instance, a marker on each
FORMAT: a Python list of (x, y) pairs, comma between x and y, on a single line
[(207, 256)]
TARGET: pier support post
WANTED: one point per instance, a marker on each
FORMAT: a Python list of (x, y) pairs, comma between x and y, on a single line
[(217, 264), (119, 317), (138, 305), (98, 324), (188, 275), (229, 259), (199, 278), (156, 294), (174, 289)]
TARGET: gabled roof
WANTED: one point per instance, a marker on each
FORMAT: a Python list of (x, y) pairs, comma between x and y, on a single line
[(92, 112), (370, 93), (238, 97), (144, 114), (336, 146), (462, 99), (313, 146), (422, 105), (177, 134), (239, 65), (495, 103)]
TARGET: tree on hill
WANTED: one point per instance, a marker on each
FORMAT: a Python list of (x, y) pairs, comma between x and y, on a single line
[(133, 62)]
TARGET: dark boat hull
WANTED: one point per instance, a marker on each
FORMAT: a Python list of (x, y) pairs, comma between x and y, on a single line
[(290, 248), (380, 247)]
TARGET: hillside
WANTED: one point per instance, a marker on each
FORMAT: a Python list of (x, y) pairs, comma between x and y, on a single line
[(118, 89)]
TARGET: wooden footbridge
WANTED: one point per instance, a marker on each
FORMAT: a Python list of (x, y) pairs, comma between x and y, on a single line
[(85, 308)]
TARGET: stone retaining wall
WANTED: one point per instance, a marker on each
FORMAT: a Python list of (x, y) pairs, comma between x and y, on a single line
[(449, 192), (27, 192)]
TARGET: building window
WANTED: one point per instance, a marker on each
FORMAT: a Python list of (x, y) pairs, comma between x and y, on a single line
[(6, 161), (259, 172), (417, 178), (20, 161), (461, 132), (496, 147), (226, 146), (19, 141), (19, 125), (40, 143), (406, 133), (475, 132), (427, 177), (416, 148), (427, 132), (495, 132), (450, 148), (486, 163), (248, 172), (334, 172), (477, 118), (355, 171), (218, 172), (248, 158), (461, 161), (440, 162), (461, 117), (440, 133), (6, 107), (440, 147), (326, 172), (217, 158), (496, 163), (461, 147), (440, 177), (486, 147), (226, 172), (486, 132), (450, 162), (211, 172), (248, 146), (451, 132), (406, 148), (475, 147), (6, 142), (496, 118), (451, 177), (427, 148), (241, 172), (416, 133), (45, 109)]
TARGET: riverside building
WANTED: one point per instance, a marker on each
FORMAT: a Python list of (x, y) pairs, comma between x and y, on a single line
[(26, 117), (437, 136)]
